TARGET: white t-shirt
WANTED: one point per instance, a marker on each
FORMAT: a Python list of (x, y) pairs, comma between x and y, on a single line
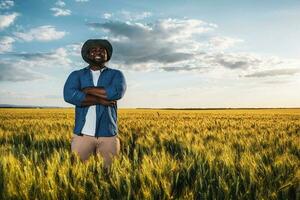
[(89, 127)]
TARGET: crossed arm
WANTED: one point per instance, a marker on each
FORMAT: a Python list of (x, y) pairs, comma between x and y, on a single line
[(107, 95), (96, 95)]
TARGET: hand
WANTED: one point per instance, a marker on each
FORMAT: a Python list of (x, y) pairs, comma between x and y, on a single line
[(106, 102), (87, 90)]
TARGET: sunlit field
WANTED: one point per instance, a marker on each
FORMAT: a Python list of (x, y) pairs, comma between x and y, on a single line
[(165, 154)]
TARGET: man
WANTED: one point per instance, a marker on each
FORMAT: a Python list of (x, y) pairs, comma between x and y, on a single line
[(94, 90)]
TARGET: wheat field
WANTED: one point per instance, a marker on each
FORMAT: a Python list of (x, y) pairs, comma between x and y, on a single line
[(165, 154)]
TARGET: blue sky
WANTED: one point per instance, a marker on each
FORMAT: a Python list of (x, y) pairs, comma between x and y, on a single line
[(172, 53)]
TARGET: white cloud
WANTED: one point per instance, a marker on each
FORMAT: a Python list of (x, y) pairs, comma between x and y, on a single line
[(60, 3), (60, 12), (182, 45), (222, 42), (6, 44), (41, 33), (58, 58), (31, 66), (107, 15), (6, 4), (14, 72), (7, 20), (274, 72), (166, 41), (234, 60), (81, 0), (74, 49), (127, 16)]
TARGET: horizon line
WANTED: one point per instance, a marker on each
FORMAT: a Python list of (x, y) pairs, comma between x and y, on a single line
[(152, 108)]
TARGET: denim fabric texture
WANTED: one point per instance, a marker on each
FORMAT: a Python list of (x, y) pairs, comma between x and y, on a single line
[(114, 83)]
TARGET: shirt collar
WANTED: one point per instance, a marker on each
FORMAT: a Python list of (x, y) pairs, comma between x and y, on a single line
[(101, 70)]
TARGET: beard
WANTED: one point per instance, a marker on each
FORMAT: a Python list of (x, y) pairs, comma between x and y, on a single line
[(97, 63), (97, 60)]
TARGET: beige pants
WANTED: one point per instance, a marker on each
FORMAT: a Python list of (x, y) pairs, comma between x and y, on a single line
[(85, 146)]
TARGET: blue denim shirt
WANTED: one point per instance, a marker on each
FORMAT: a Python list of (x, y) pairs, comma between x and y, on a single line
[(113, 81)]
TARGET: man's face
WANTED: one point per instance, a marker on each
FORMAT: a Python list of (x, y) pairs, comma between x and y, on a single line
[(98, 54)]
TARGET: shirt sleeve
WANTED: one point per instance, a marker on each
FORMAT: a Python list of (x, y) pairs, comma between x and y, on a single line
[(72, 93), (117, 89)]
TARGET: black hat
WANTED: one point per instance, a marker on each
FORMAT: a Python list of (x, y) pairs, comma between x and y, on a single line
[(95, 43)]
